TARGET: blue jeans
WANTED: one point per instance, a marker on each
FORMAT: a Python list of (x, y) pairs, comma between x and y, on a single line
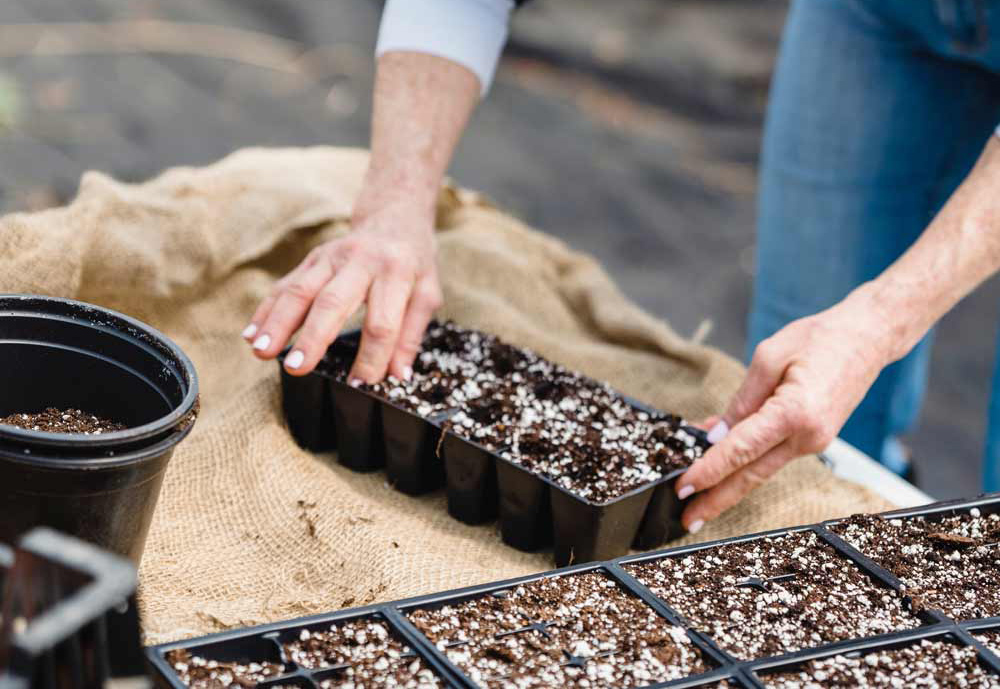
[(878, 110)]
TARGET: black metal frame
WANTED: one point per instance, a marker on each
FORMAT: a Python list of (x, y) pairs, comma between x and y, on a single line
[(81, 624), (744, 673)]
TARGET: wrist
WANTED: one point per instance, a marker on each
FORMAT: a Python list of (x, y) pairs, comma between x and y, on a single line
[(412, 197), (887, 316)]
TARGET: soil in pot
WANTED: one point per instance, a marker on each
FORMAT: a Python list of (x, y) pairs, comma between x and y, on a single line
[(203, 673), (771, 596), (373, 653), (926, 663), (951, 564), (579, 630), (54, 420)]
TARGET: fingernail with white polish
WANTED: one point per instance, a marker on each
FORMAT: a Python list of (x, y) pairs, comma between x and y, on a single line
[(262, 343), (718, 432), (295, 359), (407, 373), (696, 526), (355, 382), (249, 331), (685, 492)]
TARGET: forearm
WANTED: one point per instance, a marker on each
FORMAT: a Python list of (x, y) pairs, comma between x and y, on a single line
[(956, 253), (421, 106)]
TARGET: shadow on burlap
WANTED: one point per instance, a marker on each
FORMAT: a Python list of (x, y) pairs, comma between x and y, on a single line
[(193, 251)]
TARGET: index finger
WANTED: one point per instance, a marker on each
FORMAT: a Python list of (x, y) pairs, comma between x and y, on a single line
[(749, 440)]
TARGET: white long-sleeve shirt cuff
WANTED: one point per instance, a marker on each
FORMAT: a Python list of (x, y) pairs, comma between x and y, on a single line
[(469, 32)]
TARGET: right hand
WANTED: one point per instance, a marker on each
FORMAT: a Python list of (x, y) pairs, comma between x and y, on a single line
[(387, 261)]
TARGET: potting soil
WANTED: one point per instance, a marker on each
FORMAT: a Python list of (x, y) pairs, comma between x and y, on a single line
[(54, 420)]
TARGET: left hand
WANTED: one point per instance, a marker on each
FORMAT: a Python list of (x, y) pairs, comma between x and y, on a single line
[(802, 385)]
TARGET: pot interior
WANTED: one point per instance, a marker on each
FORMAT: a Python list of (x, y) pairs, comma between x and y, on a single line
[(41, 375), (102, 368)]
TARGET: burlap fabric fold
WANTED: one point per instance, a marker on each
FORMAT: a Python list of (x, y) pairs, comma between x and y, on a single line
[(250, 528)]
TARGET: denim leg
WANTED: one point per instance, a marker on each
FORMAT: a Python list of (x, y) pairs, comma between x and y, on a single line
[(863, 125), (991, 460)]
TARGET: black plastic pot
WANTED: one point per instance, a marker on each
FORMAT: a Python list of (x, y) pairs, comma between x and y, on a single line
[(66, 354), (249, 644), (371, 432)]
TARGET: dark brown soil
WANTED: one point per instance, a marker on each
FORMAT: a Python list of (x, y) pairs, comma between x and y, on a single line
[(991, 639), (54, 420), (372, 652), (725, 593), (556, 423), (202, 673), (951, 564), (928, 663), (573, 631)]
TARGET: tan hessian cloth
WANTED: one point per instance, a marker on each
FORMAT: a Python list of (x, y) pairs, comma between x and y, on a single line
[(192, 253)]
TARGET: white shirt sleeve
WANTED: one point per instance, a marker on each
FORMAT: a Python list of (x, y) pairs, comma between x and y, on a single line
[(469, 32)]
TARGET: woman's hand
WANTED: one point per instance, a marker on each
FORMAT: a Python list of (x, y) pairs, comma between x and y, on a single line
[(421, 105), (802, 385), (386, 261)]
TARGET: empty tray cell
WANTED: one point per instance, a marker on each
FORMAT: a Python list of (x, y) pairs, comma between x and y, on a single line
[(358, 652), (577, 630), (949, 563), (239, 662), (922, 663), (774, 595)]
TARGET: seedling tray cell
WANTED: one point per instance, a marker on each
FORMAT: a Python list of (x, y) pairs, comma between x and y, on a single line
[(364, 646), (941, 658), (308, 407), (412, 464), (584, 628), (774, 595), (586, 532), (449, 426), (359, 428), (947, 557), (471, 473), (525, 508)]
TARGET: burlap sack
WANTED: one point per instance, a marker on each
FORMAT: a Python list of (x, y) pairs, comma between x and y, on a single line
[(249, 528)]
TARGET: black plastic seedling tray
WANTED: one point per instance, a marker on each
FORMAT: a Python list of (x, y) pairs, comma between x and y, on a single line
[(737, 672), (420, 454), (68, 616), (266, 644)]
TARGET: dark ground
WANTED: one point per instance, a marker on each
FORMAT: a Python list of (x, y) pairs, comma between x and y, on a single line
[(631, 133)]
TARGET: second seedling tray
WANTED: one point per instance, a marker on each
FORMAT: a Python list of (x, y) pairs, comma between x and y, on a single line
[(418, 455), (262, 644)]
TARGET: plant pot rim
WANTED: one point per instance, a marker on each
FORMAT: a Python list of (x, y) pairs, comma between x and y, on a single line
[(157, 432)]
